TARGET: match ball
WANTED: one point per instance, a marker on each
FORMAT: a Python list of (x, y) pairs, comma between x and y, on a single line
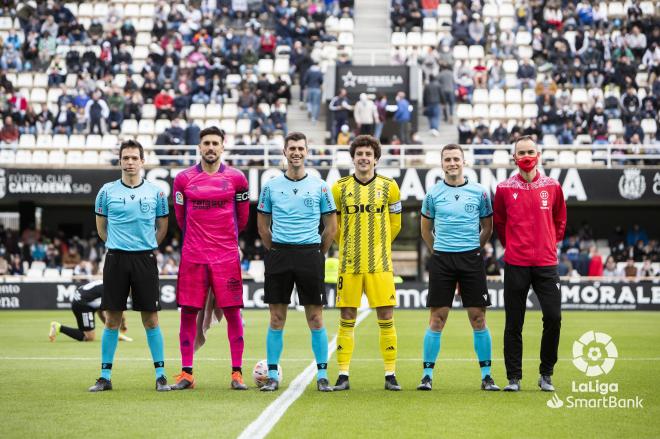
[(260, 373)]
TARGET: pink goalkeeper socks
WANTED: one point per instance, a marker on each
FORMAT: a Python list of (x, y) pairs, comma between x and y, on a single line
[(235, 335), (187, 333)]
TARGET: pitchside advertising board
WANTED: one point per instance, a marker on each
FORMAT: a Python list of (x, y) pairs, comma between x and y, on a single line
[(585, 295), (618, 187)]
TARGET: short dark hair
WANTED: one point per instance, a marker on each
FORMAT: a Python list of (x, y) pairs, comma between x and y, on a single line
[(521, 138), (131, 144), (452, 147), (365, 140), (212, 130), (294, 136)]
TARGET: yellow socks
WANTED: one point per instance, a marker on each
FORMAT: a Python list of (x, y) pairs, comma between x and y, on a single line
[(388, 347), (345, 344)]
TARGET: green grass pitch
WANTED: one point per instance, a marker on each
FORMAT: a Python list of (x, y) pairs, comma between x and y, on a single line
[(43, 385)]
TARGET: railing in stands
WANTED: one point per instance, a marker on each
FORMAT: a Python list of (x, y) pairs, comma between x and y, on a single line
[(393, 156)]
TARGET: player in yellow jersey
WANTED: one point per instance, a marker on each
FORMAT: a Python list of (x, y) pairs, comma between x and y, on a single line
[(369, 217)]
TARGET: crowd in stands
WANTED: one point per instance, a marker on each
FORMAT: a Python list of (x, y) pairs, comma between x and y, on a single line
[(103, 71), (629, 254), (591, 77)]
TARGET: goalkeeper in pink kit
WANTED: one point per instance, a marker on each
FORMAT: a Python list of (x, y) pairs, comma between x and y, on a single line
[(211, 203)]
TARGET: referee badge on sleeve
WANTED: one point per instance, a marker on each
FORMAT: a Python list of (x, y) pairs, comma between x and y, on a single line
[(178, 198)]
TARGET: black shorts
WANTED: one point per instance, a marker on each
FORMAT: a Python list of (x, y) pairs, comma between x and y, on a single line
[(84, 315), (130, 272), (465, 268), (302, 265)]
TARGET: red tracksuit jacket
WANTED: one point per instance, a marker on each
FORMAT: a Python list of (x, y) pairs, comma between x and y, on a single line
[(530, 218)]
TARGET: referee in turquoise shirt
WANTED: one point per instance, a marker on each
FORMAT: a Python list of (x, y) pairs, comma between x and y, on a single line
[(290, 209), (457, 220), (131, 217)]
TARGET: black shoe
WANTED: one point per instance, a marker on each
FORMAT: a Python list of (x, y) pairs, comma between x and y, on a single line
[(161, 384), (426, 384), (488, 384), (323, 385), (101, 385), (342, 383), (391, 384), (270, 386)]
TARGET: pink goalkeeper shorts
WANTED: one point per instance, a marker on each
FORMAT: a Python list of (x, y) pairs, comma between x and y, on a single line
[(224, 279)]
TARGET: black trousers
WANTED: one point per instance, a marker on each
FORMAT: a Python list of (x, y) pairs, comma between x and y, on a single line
[(545, 282)]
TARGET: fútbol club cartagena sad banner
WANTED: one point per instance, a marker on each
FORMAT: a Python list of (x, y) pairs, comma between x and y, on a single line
[(584, 295), (619, 187)]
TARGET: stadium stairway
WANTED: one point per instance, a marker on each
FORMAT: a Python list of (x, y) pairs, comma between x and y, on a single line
[(297, 119), (448, 132), (371, 33)]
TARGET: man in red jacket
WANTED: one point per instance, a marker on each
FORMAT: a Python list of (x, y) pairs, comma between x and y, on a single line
[(530, 218)]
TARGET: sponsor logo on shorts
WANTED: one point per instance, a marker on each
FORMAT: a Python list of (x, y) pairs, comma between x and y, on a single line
[(234, 284)]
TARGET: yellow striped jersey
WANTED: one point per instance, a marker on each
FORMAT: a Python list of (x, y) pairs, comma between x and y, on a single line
[(369, 220)]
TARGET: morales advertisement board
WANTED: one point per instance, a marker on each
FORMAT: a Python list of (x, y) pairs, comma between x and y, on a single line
[(584, 295)]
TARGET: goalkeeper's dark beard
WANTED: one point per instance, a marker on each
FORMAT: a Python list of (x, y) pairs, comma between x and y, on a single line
[(210, 161)]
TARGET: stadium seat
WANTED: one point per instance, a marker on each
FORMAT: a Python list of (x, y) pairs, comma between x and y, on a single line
[(464, 111), (140, 52), (514, 111), (498, 111), (131, 11), (90, 158), (7, 156), (429, 24), (647, 8), (213, 111), (413, 39), (212, 123), (345, 39), (513, 96), (566, 157), (129, 127), (510, 66), (461, 52), (77, 141), (233, 80), (332, 24), (86, 10), (230, 111), (147, 10), (549, 156), (496, 96), (147, 126), (144, 25), (56, 157), (615, 126), (480, 111), (110, 141), (346, 24), (40, 80), (119, 80), (265, 108), (265, 66), (23, 157), (24, 80), (160, 127), (528, 96), (44, 141), (143, 39), (146, 141), (243, 126), (40, 157), (549, 140), (53, 95), (281, 66), (197, 111), (433, 158), (506, 10), (491, 11), (523, 38), (343, 159), (149, 111), (615, 10), (501, 157), (480, 96), (476, 52), (583, 158), (74, 157), (525, 52), (34, 274), (228, 125), (649, 126), (579, 96), (27, 141), (506, 23), (530, 111), (430, 39), (445, 12), (94, 141)]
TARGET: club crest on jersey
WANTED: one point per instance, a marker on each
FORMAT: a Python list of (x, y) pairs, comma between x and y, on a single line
[(178, 198), (515, 195), (544, 195)]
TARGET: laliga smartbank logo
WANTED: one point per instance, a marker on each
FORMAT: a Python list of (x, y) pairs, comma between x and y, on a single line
[(595, 354)]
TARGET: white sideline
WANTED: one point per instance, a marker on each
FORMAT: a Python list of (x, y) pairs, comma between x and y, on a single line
[(261, 426)]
